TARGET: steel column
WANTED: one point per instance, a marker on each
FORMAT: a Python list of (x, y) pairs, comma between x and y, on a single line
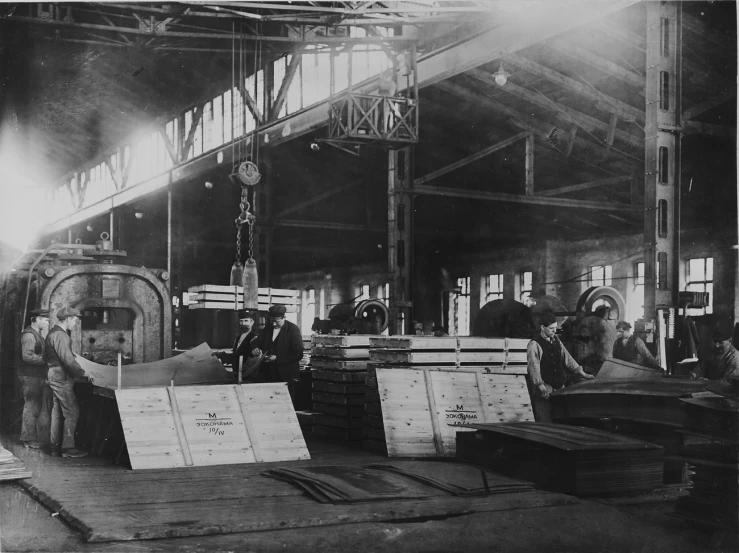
[(400, 239), (662, 156)]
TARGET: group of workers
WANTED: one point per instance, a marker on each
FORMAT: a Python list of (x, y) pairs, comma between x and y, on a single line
[(549, 362), (47, 358), (270, 355), (274, 354)]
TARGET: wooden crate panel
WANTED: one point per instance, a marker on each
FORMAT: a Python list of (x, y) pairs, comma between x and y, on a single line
[(511, 368), (352, 340), (230, 306), (338, 364), (423, 410), (340, 353), (452, 343), (209, 425), (229, 298), (412, 357), (273, 292)]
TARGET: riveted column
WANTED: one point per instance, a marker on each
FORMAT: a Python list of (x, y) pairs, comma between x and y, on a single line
[(400, 239)]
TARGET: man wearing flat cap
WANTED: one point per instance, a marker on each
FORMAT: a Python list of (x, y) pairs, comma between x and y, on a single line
[(628, 347), (32, 375), (722, 365), (282, 346), (548, 363), (63, 369), (241, 357)]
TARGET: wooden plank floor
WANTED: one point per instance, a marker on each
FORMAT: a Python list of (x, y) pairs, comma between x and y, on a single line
[(111, 503)]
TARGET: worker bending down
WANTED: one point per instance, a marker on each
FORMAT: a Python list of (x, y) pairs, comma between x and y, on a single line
[(632, 349), (548, 363)]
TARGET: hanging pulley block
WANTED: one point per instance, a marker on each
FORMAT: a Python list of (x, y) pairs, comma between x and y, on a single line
[(249, 173)]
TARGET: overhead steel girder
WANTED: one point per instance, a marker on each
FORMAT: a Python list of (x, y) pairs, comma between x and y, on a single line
[(549, 21)]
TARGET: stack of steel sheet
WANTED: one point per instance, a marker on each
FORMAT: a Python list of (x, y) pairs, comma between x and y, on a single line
[(339, 369), (714, 498), (569, 459)]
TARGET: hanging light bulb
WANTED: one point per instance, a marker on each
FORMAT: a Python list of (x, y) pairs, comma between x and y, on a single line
[(501, 75)]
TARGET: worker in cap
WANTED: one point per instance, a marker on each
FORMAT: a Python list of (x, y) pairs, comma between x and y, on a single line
[(632, 349), (282, 346), (723, 364), (63, 370), (32, 375), (548, 363), (240, 357)]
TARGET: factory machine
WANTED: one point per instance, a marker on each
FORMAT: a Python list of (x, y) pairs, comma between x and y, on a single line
[(125, 310)]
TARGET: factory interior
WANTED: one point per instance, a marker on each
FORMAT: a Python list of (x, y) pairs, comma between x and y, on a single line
[(424, 275)]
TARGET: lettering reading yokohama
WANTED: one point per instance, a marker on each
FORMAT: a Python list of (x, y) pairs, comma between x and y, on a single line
[(456, 417), (213, 420)]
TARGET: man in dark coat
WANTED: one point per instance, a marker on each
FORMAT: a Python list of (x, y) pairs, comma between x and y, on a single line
[(63, 369), (722, 365), (32, 375), (628, 347), (241, 357), (281, 343), (548, 363)]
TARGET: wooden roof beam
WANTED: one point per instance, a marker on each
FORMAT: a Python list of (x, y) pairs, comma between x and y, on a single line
[(709, 129), (602, 101), (327, 225), (469, 159), (543, 130), (314, 200), (711, 103), (584, 186), (579, 53), (717, 38), (484, 195), (583, 120)]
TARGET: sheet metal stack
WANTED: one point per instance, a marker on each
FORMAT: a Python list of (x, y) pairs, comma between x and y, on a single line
[(714, 498), (568, 459), (339, 369)]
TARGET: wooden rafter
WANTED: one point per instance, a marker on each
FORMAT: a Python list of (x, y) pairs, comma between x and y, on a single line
[(585, 121), (469, 159), (602, 64), (328, 225), (602, 101), (720, 131), (427, 190), (168, 144), (314, 200), (197, 116), (252, 105), (529, 123), (711, 103), (285, 86), (113, 173), (718, 39), (583, 186)]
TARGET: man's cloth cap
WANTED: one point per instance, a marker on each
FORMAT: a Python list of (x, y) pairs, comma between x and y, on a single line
[(67, 312), (623, 325), (40, 313), (277, 311), (247, 314), (547, 318)]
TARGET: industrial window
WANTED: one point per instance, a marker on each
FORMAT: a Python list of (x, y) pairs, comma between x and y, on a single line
[(308, 308), (636, 300), (600, 275), (459, 306), (494, 288), (363, 291), (526, 285), (700, 279), (383, 293)]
